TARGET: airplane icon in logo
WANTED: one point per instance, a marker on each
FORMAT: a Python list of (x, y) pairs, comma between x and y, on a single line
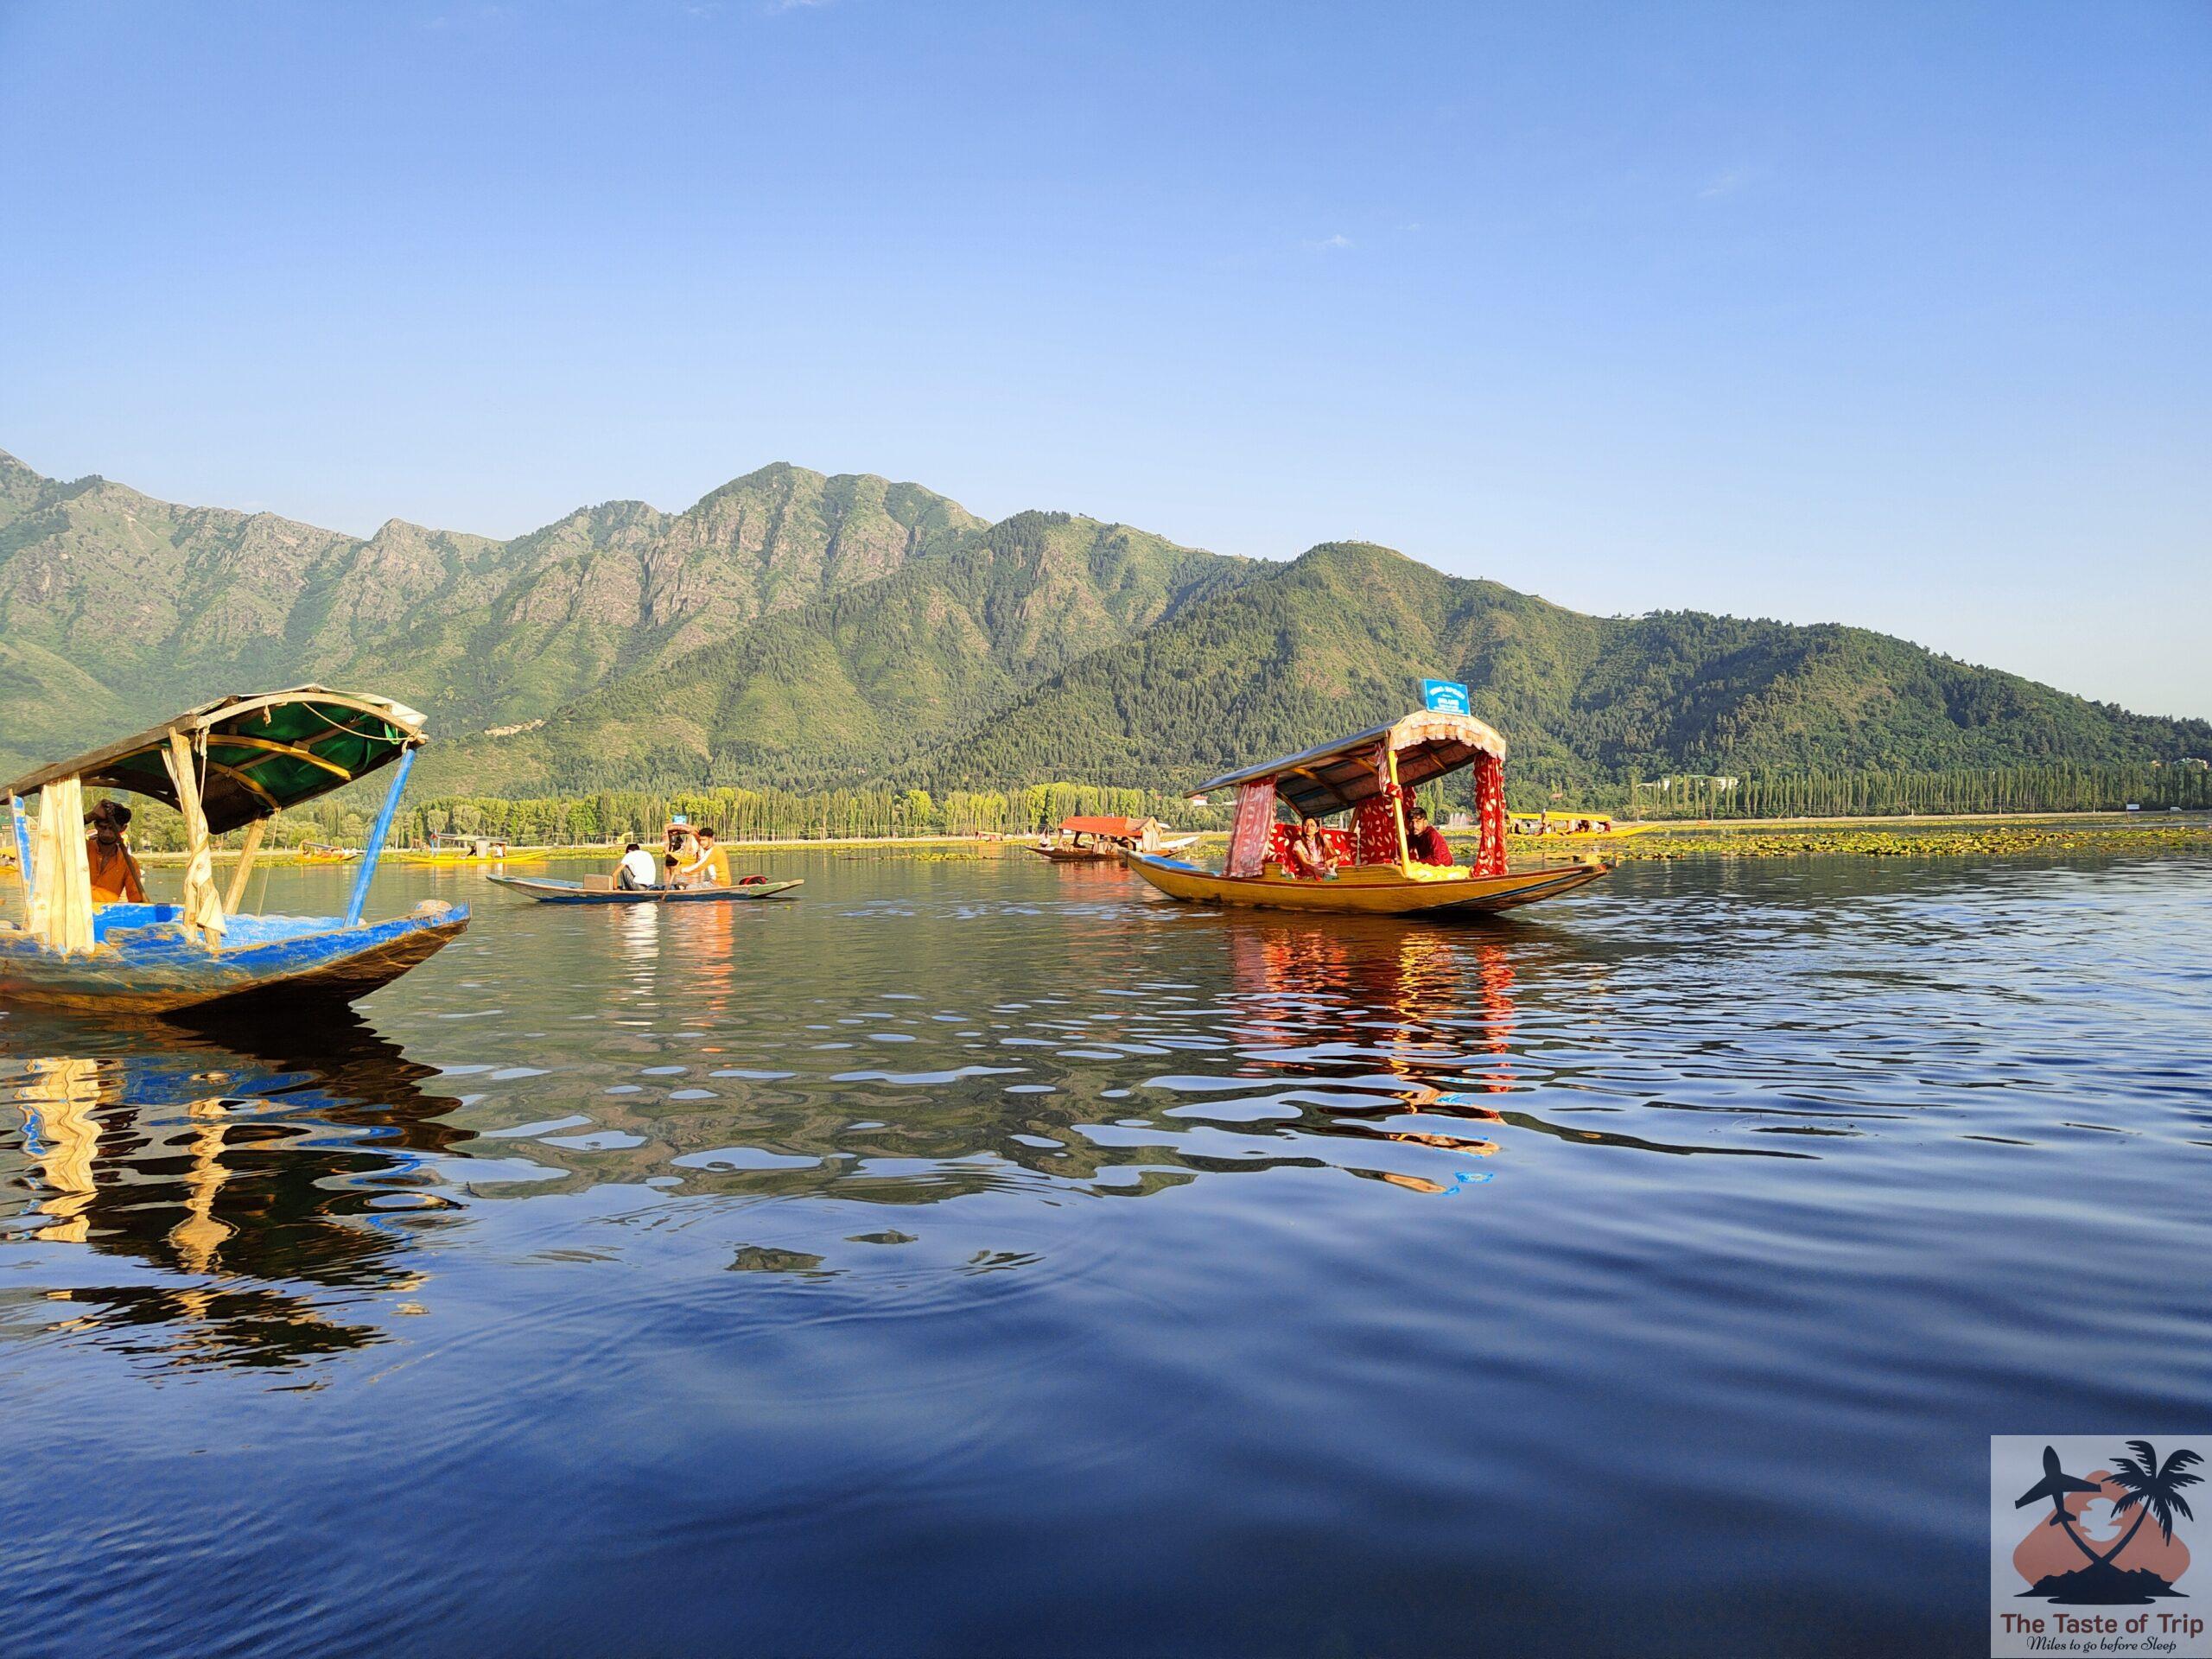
[(2056, 1486)]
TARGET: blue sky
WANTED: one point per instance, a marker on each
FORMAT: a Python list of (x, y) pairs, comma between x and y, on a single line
[(1893, 314)]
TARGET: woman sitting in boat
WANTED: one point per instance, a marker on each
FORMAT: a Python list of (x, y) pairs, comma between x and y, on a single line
[(116, 880), (1309, 857), (1424, 842)]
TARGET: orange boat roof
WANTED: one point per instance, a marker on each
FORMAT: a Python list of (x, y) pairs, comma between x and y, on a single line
[(1104, 826)]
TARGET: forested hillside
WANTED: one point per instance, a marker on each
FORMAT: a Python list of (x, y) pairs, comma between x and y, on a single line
[(1341, 638), (115, 609), (792, 631), (850, 686)]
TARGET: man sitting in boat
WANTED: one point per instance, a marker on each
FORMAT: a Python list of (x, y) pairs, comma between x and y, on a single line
[(694, 856), (1309, 856), (116, 880), (635, 872), (716, 874), (1424, 842)]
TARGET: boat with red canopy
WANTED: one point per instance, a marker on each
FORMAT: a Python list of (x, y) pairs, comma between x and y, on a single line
[(1371, 777)]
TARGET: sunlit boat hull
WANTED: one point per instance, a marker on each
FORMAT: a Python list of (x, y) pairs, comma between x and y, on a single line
[(1378, 889), (156, 968), (547, 891)]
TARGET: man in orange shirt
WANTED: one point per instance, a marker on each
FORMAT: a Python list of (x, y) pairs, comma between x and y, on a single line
[(115, 872), (716, 874)]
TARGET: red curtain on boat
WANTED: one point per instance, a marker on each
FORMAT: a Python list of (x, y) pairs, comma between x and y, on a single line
[(1490, 813), (1375, 821), (1255, 818), (1375, 831)]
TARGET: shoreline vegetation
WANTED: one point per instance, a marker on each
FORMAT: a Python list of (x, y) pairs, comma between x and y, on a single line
[(1970, 835), (1017, 812)]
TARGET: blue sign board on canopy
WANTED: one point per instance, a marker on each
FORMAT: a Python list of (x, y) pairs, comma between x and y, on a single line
[(1447, 696)]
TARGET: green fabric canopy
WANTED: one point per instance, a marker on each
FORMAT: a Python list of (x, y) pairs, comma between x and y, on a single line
[(256, 755)]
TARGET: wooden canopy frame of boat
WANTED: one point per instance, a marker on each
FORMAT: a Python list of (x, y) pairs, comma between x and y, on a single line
[(1372, 775), (233, 763)]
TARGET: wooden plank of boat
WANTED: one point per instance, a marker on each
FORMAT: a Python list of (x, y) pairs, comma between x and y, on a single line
[(548, 891), (1376, 890)]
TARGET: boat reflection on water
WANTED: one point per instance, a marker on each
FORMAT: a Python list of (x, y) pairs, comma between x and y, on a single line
[(1409, 1010), (1424, 1025), (265, 1195)]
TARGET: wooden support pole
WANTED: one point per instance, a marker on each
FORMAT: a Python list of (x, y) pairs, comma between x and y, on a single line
[(247, 848), (1397, 807)]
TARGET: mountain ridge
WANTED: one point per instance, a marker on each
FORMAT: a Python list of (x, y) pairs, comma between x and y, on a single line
[(801, 629)]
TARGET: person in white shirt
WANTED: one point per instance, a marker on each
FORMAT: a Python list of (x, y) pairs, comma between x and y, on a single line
[(635, 871)]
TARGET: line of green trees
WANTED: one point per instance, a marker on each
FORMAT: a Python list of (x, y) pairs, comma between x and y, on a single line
[(780, 815), (1872, 793), (786, 815)]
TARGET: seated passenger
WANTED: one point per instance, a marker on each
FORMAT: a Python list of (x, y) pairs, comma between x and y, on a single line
[(717, 873), (635, 872), (115, 874), (697, 868), (1424, 842), (1309, 857)]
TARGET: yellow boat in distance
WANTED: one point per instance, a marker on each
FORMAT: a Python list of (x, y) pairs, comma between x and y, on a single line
[(1372, 775), (1577, 826), (322, 852), (451, 846)]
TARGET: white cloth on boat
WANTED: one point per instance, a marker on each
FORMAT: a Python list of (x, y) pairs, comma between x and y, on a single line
[(203, 906), (60, 911)]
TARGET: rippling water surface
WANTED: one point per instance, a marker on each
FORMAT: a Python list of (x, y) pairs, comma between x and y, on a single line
[(981, 1256)]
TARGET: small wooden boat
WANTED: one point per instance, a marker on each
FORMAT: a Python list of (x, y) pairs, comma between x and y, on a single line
[(234, 763), (547, 891), (1103, 839), (1372, 775), (322, 852)]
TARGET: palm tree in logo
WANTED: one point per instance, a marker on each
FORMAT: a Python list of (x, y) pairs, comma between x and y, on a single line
[(2152, 1489)]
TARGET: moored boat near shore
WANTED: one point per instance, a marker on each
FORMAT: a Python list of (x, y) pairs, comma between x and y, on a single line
[(231, 764), (1372, 775)]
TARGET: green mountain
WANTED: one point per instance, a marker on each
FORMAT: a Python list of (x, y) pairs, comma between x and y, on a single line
[(116, 608), (808, 631), (843, 688), (1338, 638)]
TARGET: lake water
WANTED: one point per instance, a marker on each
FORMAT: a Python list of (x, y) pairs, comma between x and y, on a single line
[(976, 1257)]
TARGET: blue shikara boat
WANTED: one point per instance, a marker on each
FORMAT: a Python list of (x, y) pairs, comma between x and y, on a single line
[(228, 765)]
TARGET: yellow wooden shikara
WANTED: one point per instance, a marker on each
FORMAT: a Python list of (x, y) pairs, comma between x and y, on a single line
[(1372, 775)]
